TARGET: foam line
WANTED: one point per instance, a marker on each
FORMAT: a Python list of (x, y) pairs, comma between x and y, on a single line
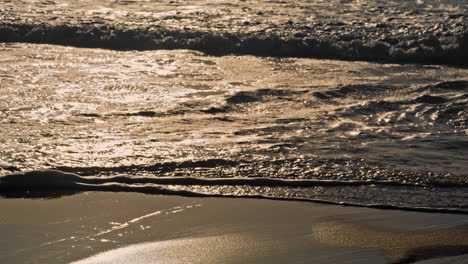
[(60, 181), (223, 43)]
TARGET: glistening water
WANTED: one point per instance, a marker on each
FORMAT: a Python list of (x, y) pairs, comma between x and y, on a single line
[(344, 132), (227, 99)]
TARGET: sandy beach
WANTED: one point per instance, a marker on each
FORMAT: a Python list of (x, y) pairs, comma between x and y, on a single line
[(98, 227)]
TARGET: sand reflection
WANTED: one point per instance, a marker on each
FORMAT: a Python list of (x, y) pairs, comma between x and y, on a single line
[(401, 247)]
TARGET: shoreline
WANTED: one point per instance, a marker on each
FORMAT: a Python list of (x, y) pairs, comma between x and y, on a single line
[(97, 227)]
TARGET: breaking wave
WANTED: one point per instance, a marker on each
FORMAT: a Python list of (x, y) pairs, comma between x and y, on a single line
[(453, 50)]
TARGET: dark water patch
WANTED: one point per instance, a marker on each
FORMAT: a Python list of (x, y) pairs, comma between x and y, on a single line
[(279, 92), (461, 145), (355, 91), (455, 115), (450, 86), (430, 99), (267, 130), (243, 97), (360, 90), (10, 168), (321, 95), (140, 113), (216, 110), (224, 119), (283, 146), (454, 85), (263, 94), (290, 120), (172, 112), (373, 107), (256, 96), (146, 113), (91, 115), (335, 94)]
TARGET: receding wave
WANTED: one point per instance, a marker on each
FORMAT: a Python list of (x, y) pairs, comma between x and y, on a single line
[(368, 193)]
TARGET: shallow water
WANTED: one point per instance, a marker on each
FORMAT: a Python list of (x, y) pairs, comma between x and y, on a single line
[(155, 111), (361, 133)]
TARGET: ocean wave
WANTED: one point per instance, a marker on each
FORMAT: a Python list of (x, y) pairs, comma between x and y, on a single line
[(455, 51)]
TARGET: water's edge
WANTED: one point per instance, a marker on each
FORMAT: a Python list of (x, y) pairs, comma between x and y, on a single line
[(53, 184)]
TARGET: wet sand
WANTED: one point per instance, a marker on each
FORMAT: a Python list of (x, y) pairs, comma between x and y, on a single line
[(137, 228)]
